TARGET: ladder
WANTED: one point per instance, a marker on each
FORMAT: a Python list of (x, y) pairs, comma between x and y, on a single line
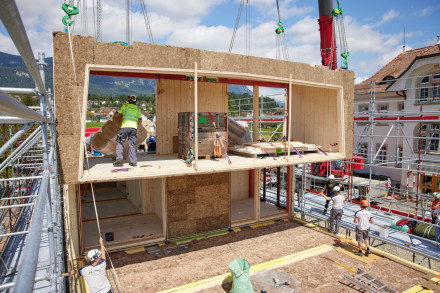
[(368, 282)]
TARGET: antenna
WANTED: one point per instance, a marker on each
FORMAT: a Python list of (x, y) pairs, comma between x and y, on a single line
[(404, 35)]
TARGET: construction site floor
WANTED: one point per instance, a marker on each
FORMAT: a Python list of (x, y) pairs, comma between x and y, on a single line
[(244, 210), (153, 166), (210, 257)]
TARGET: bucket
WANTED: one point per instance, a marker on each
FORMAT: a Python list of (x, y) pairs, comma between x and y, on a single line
[(109, 236)]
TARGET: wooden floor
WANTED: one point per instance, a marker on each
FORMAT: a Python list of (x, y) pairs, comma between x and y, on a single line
[(154, 166), (127, 231), (243, 210), (109, 209)]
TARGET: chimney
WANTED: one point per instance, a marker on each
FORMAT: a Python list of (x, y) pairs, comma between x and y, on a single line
[(438, 39)]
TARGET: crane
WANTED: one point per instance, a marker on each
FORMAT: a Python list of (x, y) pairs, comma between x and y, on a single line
[(329, 21)]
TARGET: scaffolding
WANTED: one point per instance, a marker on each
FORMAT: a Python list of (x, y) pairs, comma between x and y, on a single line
[(416, 155), (30, 203)]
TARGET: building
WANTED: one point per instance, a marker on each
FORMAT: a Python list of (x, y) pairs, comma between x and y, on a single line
[(403, 100)]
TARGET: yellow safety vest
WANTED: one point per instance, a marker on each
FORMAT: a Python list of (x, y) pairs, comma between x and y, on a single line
[(131, 114)]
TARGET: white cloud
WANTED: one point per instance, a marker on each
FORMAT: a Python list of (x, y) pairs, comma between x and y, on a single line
[(6, 45), (387, 17), (305, 31), (360, 79), (181, 10), (425, 11), (287, 8)]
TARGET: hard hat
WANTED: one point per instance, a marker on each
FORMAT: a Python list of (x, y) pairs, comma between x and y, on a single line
[(336, 188), (331, 177), (93, 255), (436, 195), (132, 98), (364, 203)]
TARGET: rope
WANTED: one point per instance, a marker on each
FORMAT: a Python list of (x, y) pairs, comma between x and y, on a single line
[(147, 22), (88, 166)]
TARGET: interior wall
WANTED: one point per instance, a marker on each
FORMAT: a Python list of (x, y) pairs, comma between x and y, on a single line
[(239, 185), (134, 192), (315, 116), (197, 204), (174, 96), (157, 194), (152, 196)]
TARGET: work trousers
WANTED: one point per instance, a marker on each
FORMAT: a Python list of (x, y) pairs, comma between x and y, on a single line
[(335, 220), (123, 135), (327, 202)]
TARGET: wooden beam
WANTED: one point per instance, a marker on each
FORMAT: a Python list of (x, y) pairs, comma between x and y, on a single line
[(289, 116), (257, 194), (196, 121), (164, 208), (256, 115)]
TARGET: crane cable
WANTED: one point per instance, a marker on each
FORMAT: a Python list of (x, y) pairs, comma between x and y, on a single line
[(281, 41), (237, 22), (147, 22)]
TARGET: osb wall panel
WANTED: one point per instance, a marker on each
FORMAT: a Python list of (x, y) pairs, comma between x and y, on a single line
[(197, 204), (315, 116), (174, 96), (87, 51)]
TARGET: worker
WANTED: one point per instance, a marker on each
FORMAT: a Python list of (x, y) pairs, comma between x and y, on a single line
[(328, 188), (435, 205), (363, 219), (94, 271), (132, 117), (89, 146), (338, 201)]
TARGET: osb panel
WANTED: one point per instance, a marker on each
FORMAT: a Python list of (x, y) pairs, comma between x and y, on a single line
[(87, 51), (175, 96), (315, 116), (197, 204)]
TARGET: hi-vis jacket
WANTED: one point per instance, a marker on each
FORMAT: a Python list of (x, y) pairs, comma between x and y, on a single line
[(131, 115)]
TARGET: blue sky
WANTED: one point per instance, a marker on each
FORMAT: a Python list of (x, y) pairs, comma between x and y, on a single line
[(374, 28)]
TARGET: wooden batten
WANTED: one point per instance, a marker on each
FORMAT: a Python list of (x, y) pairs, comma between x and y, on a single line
[(196, 120), (256, 113)]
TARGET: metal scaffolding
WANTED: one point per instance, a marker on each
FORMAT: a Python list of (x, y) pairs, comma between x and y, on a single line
[(30, 203)]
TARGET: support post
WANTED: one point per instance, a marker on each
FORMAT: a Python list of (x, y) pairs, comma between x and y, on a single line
[(289, 117), (257, 194), (256, 109), (196, 120), (278, 185)]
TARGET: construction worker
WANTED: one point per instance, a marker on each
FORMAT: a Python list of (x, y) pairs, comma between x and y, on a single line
[(132, 117), (94, 271), (435, 205), (338, 201), (328, 188), (363, 219)]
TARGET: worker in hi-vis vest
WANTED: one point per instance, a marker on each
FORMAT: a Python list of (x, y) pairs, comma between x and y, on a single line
[(131, 118)]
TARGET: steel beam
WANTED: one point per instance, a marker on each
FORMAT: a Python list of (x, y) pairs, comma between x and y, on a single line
[(13, 139), (10, 106), (19, 91), (26, 274)]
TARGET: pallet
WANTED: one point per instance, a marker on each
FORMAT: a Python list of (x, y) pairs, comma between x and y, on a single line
[(207, 157), (255, 149)]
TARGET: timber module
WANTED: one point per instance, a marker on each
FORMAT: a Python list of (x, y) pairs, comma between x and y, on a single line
[(165, 198)]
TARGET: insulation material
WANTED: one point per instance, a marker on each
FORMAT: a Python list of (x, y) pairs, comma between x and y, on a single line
[(197, 204), (104, 141), (238, 132)]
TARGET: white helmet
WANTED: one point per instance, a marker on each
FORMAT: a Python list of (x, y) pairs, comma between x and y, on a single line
[(336, 188), (93, 255), (331, 177), (436, 195)]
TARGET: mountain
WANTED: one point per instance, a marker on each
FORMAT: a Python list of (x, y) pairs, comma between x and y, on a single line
[(13, 73)]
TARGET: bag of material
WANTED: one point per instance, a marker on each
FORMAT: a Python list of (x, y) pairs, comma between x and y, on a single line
[(424, 230), (402, 228), (241, 283)]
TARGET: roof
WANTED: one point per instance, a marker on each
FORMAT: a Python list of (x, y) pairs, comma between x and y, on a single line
[(396, 67)]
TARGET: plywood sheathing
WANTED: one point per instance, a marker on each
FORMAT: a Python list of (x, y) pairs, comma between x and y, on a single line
[(87, 51), (197, 204)]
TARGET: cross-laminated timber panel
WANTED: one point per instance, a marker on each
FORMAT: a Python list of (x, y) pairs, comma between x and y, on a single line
[(71, 88)]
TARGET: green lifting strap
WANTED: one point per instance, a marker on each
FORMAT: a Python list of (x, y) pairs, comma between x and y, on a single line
[(345, 55), (120, 43), (280, 28)]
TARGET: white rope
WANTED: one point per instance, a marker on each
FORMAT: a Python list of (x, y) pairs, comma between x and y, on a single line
[(88, 167)]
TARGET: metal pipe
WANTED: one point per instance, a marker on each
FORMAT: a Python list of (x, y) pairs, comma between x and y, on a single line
[(13, 139), (22, 148), (19, 197), (20, 178), (10, 106), (19, 91), (26, 274), (10, 120), (11, 19), (12, 284), (17, 206)]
